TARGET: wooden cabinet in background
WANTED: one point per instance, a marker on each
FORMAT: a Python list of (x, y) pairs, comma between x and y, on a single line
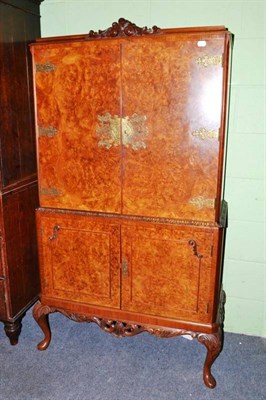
[(19, 277), (131, 135)]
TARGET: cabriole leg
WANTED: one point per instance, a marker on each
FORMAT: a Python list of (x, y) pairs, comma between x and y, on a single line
[(214, 344), (41, 315)]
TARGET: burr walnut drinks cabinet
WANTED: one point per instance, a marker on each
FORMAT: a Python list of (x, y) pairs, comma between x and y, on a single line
[(131, 135)]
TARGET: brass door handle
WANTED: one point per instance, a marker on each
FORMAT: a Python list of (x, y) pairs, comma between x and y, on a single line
[(55, 230), (125, 268)]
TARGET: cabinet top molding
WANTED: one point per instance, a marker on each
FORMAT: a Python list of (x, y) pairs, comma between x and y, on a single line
[(123, 28)]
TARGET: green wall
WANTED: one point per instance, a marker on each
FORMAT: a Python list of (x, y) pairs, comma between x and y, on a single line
[(245, 269)]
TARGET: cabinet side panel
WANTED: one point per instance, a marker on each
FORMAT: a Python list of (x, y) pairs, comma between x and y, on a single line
[(228, 47), (172, 101), (78, 124), (21, 248)]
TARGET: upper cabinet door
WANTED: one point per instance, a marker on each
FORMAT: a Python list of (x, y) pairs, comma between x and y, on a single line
[(78, 110), (172, 120)]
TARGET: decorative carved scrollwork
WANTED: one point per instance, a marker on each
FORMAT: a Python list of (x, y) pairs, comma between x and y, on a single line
[(115, 328), (121, 329), (212, 341), (123, 28)]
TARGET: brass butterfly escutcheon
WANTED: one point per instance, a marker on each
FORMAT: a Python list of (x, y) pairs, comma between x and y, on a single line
[(128, 131)]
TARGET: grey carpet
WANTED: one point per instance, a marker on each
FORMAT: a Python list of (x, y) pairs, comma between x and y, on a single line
[(85, 363)]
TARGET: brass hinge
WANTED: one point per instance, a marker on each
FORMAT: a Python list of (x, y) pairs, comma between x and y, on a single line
[(53, 192), (204, 133), (213, 60), (207, 308), (211, 251), (47, 67), (48, 131), (202, 202)]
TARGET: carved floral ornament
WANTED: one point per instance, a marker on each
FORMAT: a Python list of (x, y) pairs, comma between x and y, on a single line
[(123, 28), (212, 341)]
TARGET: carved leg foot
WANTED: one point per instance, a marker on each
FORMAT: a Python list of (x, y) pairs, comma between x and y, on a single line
[(13, 329), (213, 343), (40, 314)]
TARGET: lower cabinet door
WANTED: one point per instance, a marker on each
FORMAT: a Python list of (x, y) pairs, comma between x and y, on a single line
[(79, 258), (166, 271)]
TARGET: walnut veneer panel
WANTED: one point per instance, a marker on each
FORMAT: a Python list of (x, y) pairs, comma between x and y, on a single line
[(80, 259), (169, 271), (164, 79), (83, 84)]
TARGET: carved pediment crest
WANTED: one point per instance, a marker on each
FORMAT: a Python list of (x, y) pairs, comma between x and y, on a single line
[(123, 28)]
